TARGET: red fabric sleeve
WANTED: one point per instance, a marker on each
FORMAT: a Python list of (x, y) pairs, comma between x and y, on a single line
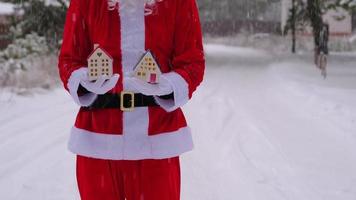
[(188, 59), (75, 44)]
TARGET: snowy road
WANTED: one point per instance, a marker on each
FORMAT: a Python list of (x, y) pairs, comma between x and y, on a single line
[(264, 128)]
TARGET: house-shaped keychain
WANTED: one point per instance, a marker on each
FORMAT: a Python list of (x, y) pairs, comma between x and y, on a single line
[(148, 69), (99, 63)]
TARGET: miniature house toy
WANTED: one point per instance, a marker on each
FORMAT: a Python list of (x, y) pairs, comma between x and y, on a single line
[(148, 69), (99, 63)]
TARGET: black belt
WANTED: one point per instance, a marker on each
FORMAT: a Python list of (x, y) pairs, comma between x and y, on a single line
[(126, 101)]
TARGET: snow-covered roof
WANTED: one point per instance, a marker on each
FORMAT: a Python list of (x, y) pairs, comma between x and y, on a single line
[(352, 3), (55, 2), (6, 8)]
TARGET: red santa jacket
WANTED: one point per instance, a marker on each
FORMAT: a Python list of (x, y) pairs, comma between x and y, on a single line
[(126, 29)]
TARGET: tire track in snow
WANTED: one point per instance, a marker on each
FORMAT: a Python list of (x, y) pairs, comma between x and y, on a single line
[(27, 120), (35, 151), (26, 148), (20, 127), (261, 176)]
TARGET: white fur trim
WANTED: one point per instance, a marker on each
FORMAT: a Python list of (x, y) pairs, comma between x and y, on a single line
[(132, 22), (135, 123), (180, 92), (73, 85), (124, 147)]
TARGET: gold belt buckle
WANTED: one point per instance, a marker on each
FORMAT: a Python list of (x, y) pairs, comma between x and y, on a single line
[(123, 95)]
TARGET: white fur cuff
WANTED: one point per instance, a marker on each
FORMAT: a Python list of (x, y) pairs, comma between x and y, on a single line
[(73, 85)]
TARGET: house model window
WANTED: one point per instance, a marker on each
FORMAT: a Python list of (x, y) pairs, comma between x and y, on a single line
[(99, 63), (148, 69)]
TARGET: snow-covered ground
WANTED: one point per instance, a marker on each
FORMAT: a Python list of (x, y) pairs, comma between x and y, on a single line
[(265, 127)]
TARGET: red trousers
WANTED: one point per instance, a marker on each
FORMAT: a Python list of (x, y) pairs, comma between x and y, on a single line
[(150, 179)]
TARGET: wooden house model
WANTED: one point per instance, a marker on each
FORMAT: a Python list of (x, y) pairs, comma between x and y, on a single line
[(99, 63), (148, 69)]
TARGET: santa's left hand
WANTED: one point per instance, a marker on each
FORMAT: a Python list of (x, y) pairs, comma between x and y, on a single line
[(164, 87), (170, 83)]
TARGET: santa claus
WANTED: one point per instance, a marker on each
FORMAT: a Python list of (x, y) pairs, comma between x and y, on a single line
[(128, 134)]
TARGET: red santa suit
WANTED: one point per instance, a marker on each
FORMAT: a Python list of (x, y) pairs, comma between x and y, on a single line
[(125, 29)]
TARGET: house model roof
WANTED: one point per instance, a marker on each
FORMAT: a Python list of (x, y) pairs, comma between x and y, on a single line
[(100, 63), (96, 47), (147, 58), (147, 69)]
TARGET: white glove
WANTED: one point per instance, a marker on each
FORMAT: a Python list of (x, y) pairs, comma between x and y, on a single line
[(170, 82), (164, 87), (100, 86)]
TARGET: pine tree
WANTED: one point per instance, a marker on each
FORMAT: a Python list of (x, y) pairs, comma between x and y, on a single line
[(44, 19)]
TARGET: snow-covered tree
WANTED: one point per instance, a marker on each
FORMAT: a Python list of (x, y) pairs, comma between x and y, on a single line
[(45, 17), (16, 57)]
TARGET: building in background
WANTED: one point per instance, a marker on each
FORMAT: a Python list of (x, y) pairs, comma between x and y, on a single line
[(6, 11), (341, 27), (340, 21)]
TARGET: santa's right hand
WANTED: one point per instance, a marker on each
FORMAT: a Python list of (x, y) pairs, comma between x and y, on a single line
[(102, 85)]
